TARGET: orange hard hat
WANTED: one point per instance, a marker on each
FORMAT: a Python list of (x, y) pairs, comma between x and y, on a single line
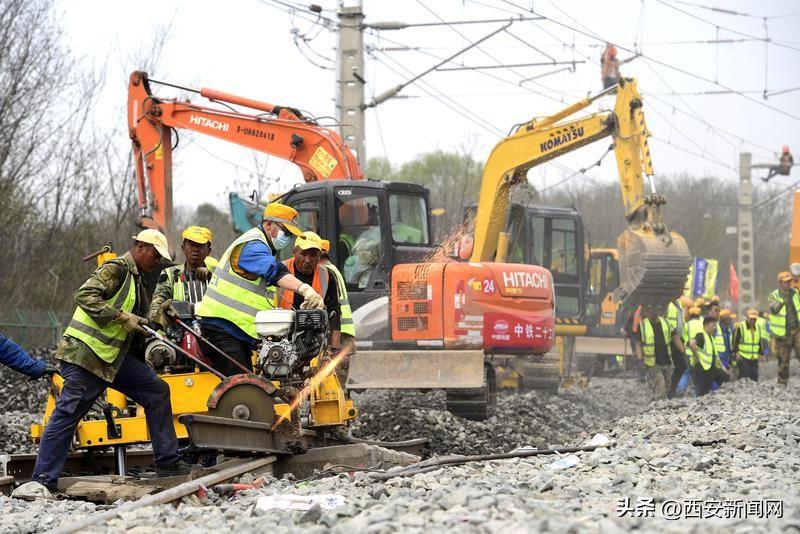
[(786, 148)]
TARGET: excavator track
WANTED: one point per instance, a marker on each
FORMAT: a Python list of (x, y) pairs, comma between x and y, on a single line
[(475, 404), (542, 373)]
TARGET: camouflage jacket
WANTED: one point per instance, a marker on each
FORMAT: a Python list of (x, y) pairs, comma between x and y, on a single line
[(91, 296)]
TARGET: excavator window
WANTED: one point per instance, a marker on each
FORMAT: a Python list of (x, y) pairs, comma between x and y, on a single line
[(359, 231), (409, 219), (516, 235)]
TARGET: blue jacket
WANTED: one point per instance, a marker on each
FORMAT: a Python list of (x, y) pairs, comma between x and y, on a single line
[(13, 356)]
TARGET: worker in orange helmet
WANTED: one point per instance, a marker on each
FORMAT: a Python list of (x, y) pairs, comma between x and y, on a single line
[(784, 166), (609, 66)]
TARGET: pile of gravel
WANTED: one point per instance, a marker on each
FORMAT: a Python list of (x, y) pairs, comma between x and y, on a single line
[(18, 393), (654, 459), (527, 419), (15, 432)]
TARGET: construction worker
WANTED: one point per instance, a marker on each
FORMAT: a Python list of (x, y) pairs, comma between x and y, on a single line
[(693, 326), (784, 166), (766, 334), (305, 266), (609, 66), (239, 284), (784, 304), (675, 315), (655, 337), (14, 357), (707, 367), (747, 346), (187, 281), (103, 347), (348, 329), (723, 334)]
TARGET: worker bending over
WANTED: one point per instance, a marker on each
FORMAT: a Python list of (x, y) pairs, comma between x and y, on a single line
[(103, 346), (239, 285), (14, 357), (784, 304), (305, 266), (705, 361), (187, 281), (747, 346)]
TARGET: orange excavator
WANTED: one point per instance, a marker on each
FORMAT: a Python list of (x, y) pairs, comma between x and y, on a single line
[(429, 322)]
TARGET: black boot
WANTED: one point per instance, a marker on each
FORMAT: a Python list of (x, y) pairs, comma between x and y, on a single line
[(174, 469)]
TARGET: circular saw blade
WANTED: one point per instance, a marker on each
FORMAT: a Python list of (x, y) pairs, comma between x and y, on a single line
[(245, 402)]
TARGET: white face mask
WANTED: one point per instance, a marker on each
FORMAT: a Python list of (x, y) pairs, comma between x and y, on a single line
[(280, 240)]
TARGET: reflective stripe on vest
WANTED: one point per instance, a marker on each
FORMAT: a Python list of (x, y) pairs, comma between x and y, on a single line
[(285, 298), (777, 321), (706, 358), (232, 297), (347, 314), (649, 340), (749, 341), (105, 342)]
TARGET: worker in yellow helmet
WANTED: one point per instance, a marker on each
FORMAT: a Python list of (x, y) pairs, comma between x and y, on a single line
[(187, 281), (693, 326), (239, 285), (747, 346), (784, 321)]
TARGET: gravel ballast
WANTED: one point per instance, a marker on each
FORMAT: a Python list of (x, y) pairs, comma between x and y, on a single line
[(749, 453)]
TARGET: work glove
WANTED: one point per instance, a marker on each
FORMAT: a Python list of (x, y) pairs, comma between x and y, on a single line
[(165, 313), (131, 322), (311, 298), (203, 274), (49, 371)]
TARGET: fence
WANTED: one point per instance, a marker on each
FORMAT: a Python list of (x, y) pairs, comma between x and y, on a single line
[(32, 328)]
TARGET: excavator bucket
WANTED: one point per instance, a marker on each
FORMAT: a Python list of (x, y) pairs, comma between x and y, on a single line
[(416, 369), (652, 268)]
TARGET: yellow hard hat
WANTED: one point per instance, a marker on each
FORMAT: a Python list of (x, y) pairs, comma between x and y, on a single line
[(308, 241), (284, 215), (326, 245), (734, 317), (752, 313), (686, 301), (784, 276), (700, 302), (157, 239), (714, 299), (724, 313), (694, 310), (197, 234)]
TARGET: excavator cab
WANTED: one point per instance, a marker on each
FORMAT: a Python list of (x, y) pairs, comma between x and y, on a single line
[(603, 279), (553, 238), (373, 227)]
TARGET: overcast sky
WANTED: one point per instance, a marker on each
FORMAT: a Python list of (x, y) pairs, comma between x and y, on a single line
[(246, 47)]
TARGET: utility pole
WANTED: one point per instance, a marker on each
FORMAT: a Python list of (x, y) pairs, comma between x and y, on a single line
[(746, 277), (350, 79)]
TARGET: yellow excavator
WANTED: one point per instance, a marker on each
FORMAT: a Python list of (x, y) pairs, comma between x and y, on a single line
[(650, 263)]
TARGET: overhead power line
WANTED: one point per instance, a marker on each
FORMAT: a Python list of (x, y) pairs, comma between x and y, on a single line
[(397, 25), (731, 30), (726, 11)]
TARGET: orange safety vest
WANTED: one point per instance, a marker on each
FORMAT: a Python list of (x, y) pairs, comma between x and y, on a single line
[(285, 298)]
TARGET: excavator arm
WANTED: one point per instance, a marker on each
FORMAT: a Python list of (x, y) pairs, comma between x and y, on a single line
[(279, 131), (653, 262)]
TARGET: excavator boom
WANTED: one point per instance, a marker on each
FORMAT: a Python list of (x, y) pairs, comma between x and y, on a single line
[(280, 131), (654, 263)]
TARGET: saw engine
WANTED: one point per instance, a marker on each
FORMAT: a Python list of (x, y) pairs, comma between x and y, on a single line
[(290, 340)]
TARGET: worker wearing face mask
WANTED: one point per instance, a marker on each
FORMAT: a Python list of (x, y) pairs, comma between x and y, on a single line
[(238, 289)]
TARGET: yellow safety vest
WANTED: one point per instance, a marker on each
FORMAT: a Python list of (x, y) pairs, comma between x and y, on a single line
[(749, 341), (232, 297), (777, 321), (674, 311), (105, 342), (719, 341), (177, 285), (347, 314), (707, 356), (649, 340)]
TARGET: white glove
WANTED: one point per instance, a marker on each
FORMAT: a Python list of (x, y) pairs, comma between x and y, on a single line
[(312, 298)]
